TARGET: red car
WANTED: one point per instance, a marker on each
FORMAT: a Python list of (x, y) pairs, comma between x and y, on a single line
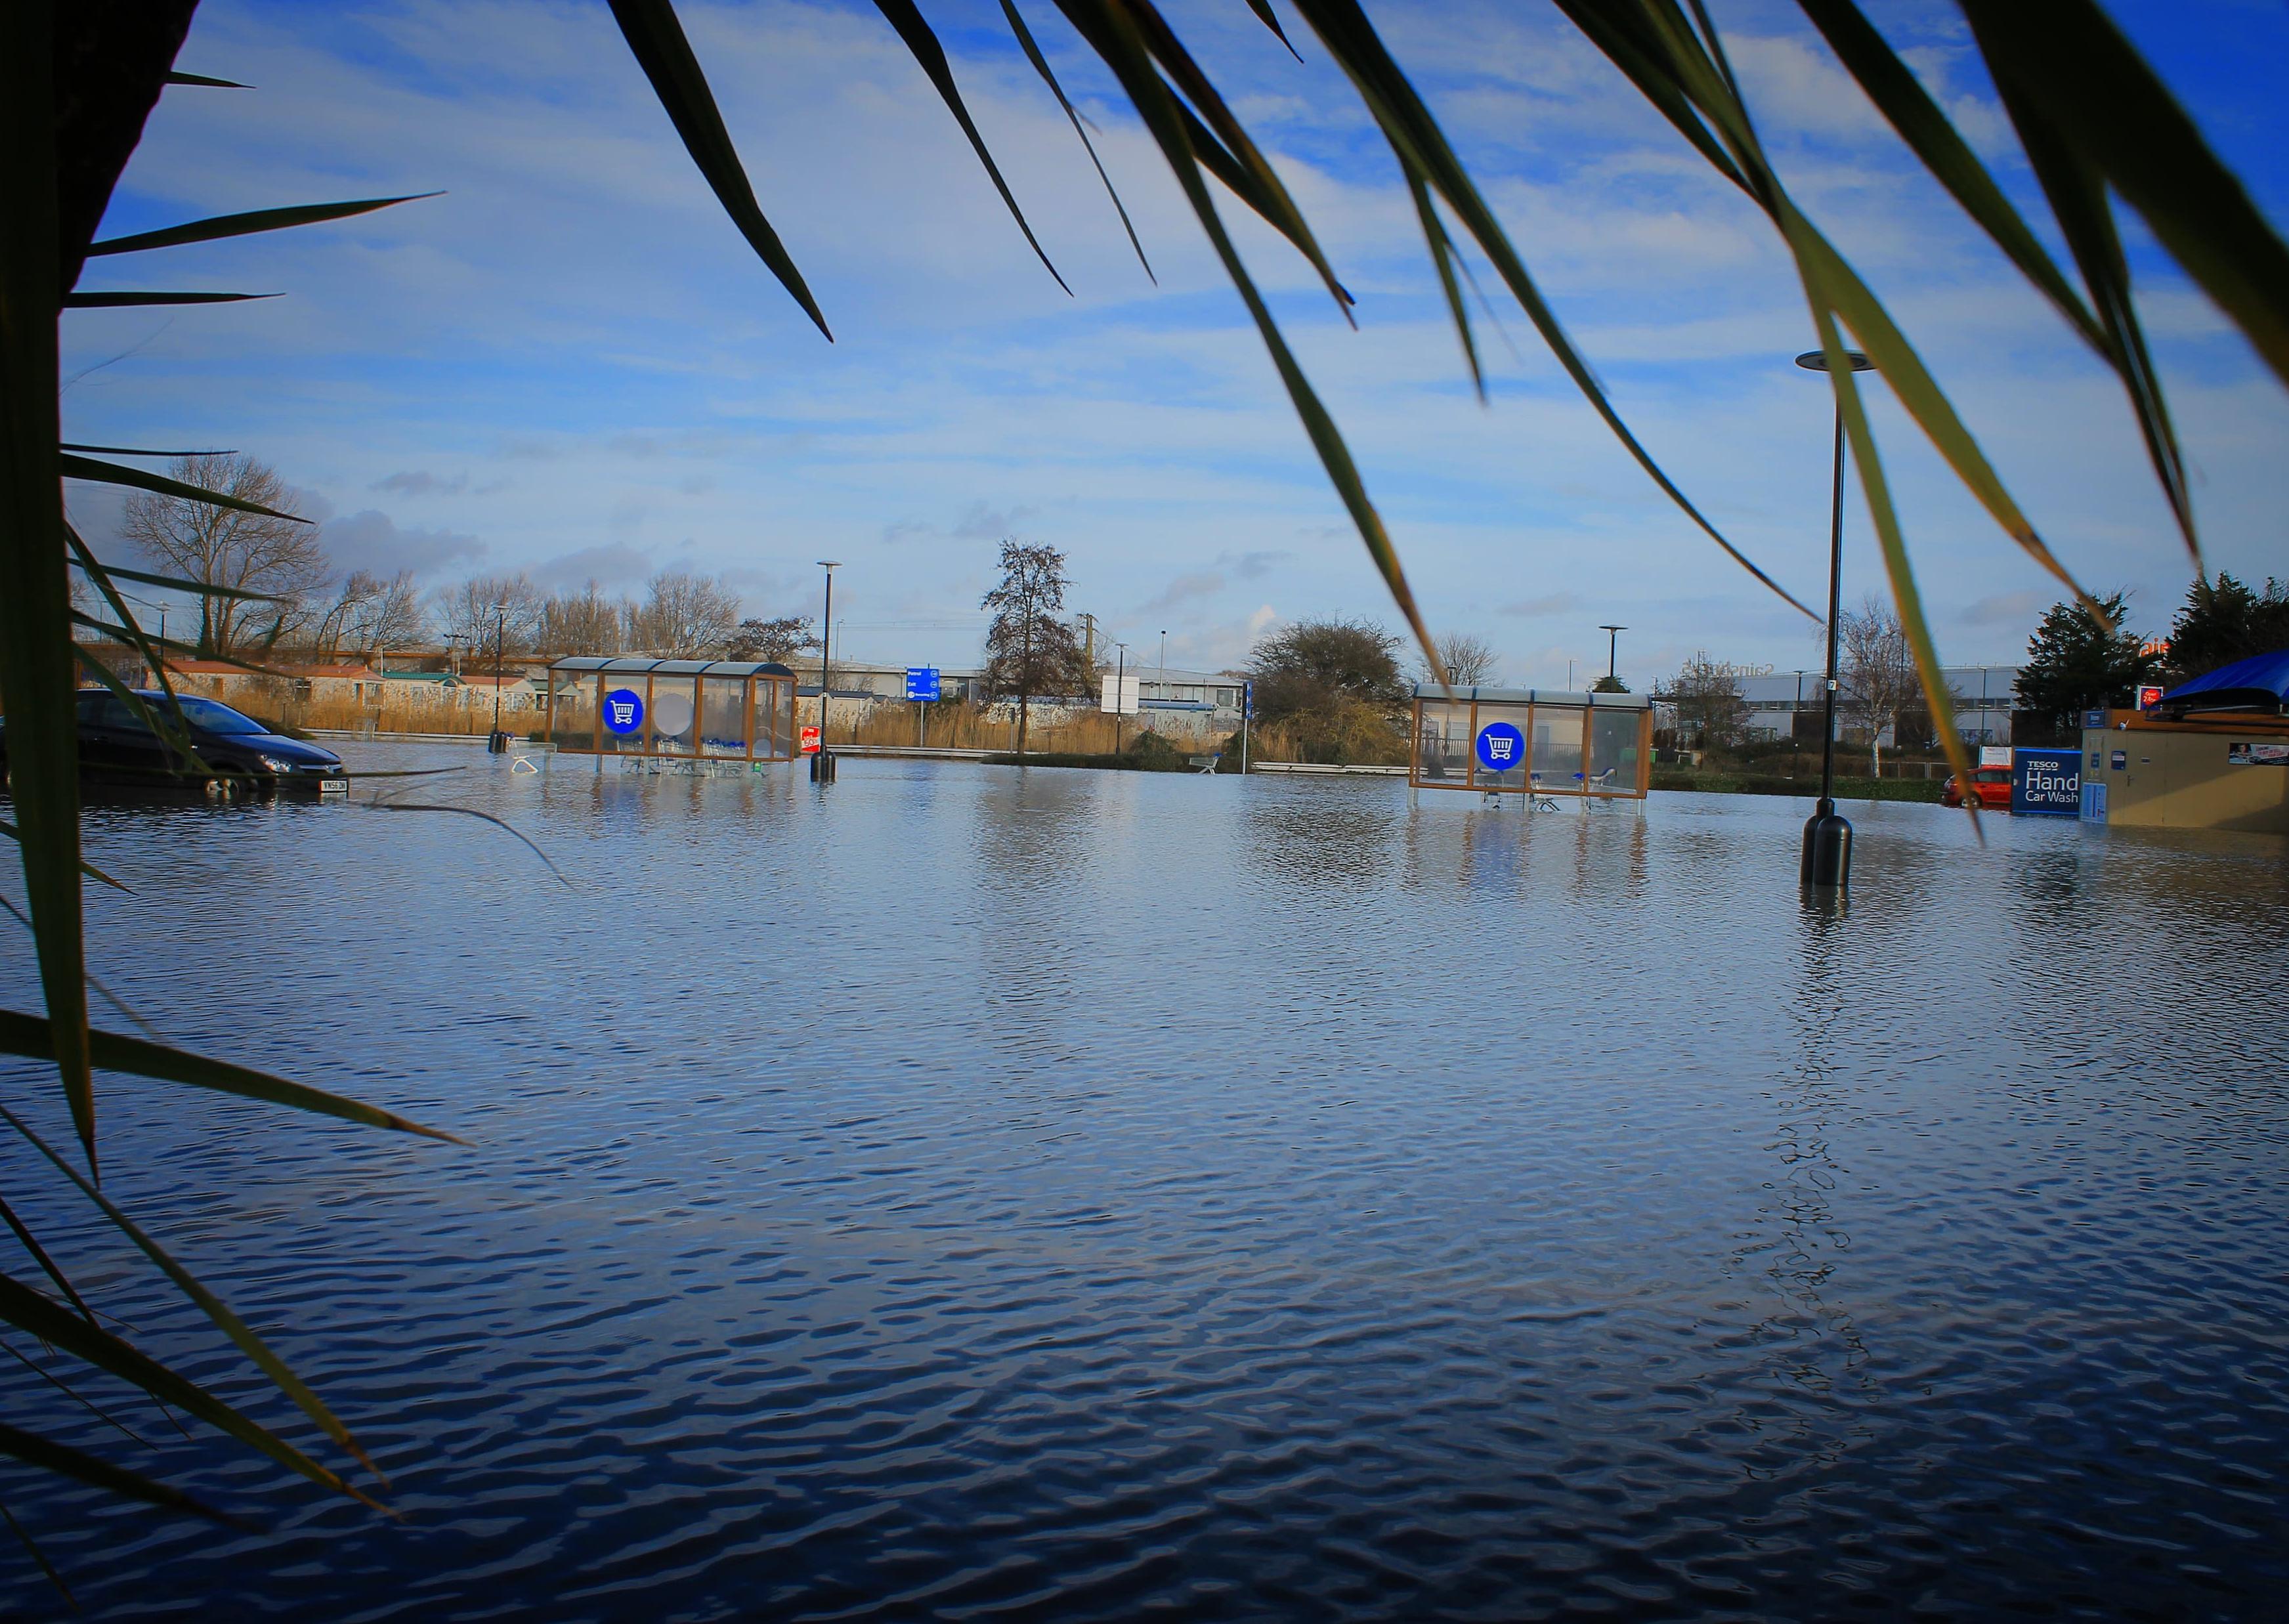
[(1991, 784)]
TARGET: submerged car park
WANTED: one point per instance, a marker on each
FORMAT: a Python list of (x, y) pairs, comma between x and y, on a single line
[(200, 745)]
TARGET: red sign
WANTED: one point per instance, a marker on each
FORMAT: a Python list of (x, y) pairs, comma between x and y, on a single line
[(2149, 697), (810, 741)]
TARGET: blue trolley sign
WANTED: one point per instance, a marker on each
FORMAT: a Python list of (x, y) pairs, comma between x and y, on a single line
[(921, 684), (1502, 747), (623, 710)]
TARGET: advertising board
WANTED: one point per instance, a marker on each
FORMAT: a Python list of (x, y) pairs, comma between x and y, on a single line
[(2046, 783)]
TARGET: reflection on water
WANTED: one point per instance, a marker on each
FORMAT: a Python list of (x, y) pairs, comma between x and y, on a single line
[(960, 1192)]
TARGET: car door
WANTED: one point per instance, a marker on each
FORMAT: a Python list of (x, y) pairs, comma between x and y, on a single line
[(119, 747)]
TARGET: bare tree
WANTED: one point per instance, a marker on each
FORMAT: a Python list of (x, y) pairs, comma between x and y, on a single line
[(1710, 708), (583, 621), (1466, 660), (485, 607), (389, 617), (683, 616), (220, 546), (1875, 671), (1029, 648), (780, 638)]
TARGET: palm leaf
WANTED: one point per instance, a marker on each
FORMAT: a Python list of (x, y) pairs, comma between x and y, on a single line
[(2075, 72), (21, 1306), (1416, 139), (29, 1036), (94, 569), (907, 19), (35, 660), (1041, 67), (656, 39), (48, 1266), (99, 1473), (178, 78), (2076, 192), (134, 450), (1158, 103), (122, 301), (1445, 258), (240, 1333), (221, 226), (118, 473), (9, 831)]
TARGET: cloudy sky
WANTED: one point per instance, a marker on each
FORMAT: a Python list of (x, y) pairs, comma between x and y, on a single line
[(571, 364)]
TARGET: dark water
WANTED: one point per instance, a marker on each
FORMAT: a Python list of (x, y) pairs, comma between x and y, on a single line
[(983, 1195)]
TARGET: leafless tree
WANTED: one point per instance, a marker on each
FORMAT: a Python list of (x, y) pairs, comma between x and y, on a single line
[(583, 621), (1030, 648), (222, 546), (1467, 660), (1875, 672), (780, 638), (388, 618), (1710, 705), (683, 616), (487, 608)]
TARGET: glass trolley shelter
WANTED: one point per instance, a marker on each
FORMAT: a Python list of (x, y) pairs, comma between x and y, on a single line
[(1530, 741), (693, 710)]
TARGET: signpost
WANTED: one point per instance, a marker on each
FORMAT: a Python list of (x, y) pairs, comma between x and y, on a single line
[(1121, 694), (921, 689), (2149, 697), (1246, 714), (2046, 783)]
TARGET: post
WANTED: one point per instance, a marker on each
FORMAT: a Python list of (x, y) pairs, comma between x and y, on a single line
[(495, 743), (1246, 710), (1826, 859), (825, 650), (1120, 691)]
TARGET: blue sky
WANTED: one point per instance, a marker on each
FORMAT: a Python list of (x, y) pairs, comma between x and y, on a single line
[(571, 364)]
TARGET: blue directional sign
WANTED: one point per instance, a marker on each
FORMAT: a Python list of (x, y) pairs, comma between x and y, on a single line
[(2046, 783), (624, 710), (921, 683), (1502, 747)]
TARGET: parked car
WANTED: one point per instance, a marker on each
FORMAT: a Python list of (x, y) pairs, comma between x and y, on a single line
[(235, 754), (1991, 784)]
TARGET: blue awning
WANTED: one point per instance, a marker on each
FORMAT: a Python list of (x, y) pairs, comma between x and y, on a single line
[(2260, 679)]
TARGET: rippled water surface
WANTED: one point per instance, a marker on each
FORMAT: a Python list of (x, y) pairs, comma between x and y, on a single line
[(981, 1194)]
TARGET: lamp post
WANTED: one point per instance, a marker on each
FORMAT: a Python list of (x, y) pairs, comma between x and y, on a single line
[(1612, 647), (1795, 711), (1164, 664), (1826, 860), (826, 644), (493, 741), (1120, 691)]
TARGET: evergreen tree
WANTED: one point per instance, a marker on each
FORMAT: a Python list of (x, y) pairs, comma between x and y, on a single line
[(2074, 663), (2224, 621)]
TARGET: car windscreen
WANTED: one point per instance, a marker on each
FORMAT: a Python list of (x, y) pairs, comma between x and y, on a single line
[(207, 713)]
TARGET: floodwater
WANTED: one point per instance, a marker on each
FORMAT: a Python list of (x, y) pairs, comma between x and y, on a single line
[(973, 1194)]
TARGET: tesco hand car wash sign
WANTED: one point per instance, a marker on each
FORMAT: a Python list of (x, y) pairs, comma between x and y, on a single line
[(2046, 783)]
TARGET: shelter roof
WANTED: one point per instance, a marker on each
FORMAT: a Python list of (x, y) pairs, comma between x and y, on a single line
[(1537, 695), (2262, 680), (637, 664)]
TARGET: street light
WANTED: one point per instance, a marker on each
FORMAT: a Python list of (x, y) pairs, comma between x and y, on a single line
[(826, 644), (1613, 644), (1120, 691), (1827, 856), (495, 743)]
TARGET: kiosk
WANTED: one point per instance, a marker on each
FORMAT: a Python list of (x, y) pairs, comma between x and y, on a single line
[(1532, 742)]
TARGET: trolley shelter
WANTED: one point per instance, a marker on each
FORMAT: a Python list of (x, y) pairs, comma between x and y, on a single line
[(1531, 741), (696, 710)]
